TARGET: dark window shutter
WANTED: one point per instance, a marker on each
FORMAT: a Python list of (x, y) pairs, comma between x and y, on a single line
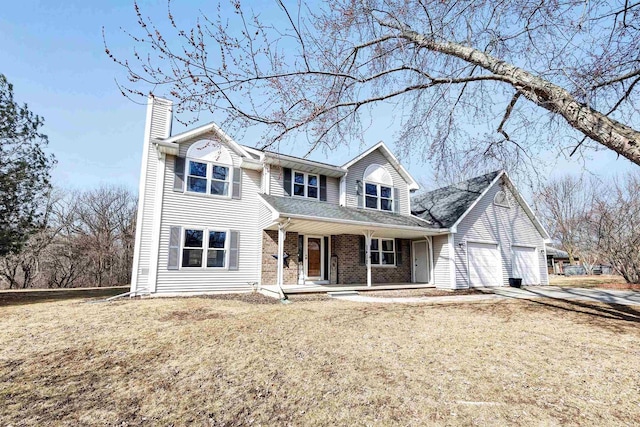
[(237, 180), (178, 174), (399, 251), (396, 200), (363, 252), (287, 181), (359, 193), (174, 248), (326, 258), (323, 188), (234, 238)]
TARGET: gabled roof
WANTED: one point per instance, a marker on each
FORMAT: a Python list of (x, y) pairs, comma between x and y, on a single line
[(413, 185), (446, 205), (203, 130), (304, 208)]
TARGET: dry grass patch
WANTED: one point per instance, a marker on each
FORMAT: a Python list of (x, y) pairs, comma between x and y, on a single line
[(602, 281), (232, 362)]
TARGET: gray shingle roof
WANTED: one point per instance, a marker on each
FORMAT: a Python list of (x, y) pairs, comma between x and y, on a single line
[(294, 206), (557, 253), (444, 206)]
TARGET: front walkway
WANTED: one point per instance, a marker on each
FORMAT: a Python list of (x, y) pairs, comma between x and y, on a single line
[(358, 287), (529, 292)]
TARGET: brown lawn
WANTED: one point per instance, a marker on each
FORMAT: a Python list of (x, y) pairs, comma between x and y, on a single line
[(603, 281), (250, 360)]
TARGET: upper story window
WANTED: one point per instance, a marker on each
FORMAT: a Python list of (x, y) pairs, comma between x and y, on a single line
[(378, 188), (305, 185), (209, 166)]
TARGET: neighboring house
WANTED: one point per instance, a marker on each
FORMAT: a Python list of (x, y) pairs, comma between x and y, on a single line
[(217, 216), (557, 260)]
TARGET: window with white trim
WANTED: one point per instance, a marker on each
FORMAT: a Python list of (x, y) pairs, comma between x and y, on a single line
[(378, 196), (208, 178), (208, 168), (305, 185), (194, 243), (378, 188), (383, 252)]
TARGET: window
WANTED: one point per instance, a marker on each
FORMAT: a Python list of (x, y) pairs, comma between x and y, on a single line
[(383, 252), (378, 196), (193, 253), (192, 249), (208, 178), (305, 185), (501, 199)]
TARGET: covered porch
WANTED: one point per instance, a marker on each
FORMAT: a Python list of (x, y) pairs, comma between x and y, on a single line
[(343, 249)]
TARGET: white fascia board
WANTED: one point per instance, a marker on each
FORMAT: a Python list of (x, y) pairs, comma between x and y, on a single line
[(248, 163), (528, 209), (165, 147), (204, 129), (475, 202), (413, 185)]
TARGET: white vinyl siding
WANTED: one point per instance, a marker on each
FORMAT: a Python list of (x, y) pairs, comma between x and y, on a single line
[(190, 210), (356, 173), (160, 126), (441, 262), (277, 181), (507, 226)]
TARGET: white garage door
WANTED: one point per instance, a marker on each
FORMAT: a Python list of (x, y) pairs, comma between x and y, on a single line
[(485, 268), (525, 265)]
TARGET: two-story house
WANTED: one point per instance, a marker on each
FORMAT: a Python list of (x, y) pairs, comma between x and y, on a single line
[(218, 216)]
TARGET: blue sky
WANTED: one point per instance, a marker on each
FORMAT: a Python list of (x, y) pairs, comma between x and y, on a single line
[(53, 54)]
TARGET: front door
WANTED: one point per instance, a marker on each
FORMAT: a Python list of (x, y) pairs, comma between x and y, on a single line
[(314, 258), (420, 262)]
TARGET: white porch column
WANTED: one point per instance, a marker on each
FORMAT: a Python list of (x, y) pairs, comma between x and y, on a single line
[(282, 234), (368, 234)]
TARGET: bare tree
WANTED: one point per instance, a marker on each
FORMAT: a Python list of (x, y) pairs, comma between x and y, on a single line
[(104, 230), (23, 269), (565, 205), (616, 219), (87, 241), (474, 82)]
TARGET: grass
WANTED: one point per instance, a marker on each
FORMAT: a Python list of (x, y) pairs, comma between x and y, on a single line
[(602, 281), (249, 360)]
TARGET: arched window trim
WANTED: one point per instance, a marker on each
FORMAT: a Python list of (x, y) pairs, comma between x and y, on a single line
[(209, 172), (378, 188)]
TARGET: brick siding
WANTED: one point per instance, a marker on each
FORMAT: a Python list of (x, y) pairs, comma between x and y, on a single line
[(269, 263), (350, 271), (347, 249)]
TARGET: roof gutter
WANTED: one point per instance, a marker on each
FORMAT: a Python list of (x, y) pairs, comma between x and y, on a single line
[(274, 158)]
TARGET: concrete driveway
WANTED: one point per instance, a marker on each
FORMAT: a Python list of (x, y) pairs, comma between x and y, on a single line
[(529, 292)]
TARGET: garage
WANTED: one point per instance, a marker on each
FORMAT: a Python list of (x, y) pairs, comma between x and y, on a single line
[(485, 266), (525, 265)]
